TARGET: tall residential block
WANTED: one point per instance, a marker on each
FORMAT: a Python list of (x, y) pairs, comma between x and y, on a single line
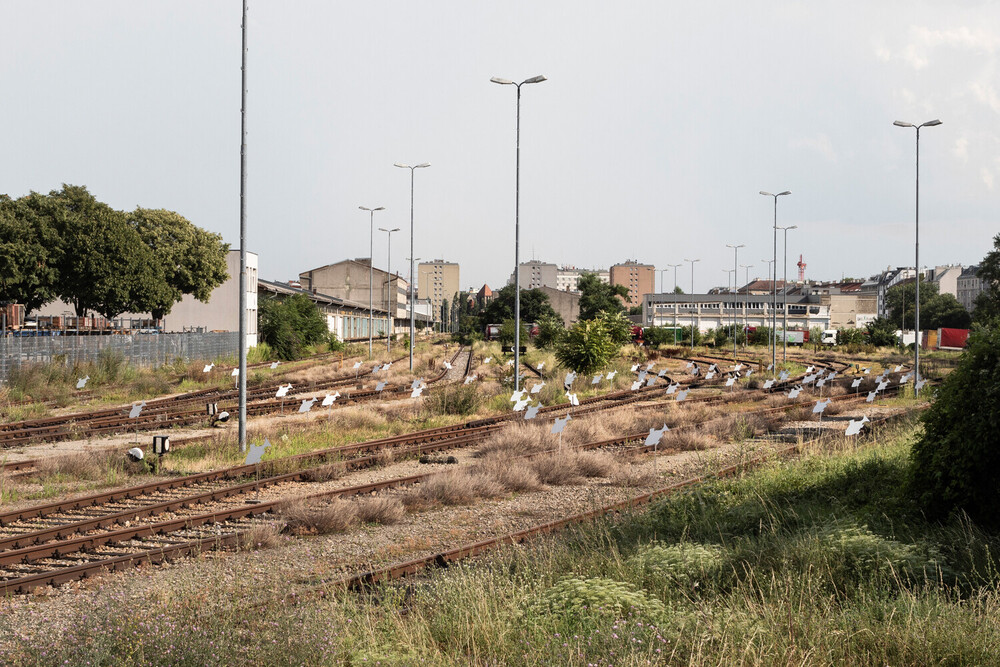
[(639, 279), (437, 281)]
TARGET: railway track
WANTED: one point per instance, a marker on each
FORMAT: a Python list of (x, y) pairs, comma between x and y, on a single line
[(23, 552)]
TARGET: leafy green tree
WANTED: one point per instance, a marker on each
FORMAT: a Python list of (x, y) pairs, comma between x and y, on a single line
[(507, 328), (618, 326), (655, 336), (850, 336), (988, 303), (881, 332), (678, 290), (550, 332), (944, 310), (900, 299), (534, 306), (28, 251), (102, 263), (956, 463), (290, 324), (688, 331), (597, 297), (192, 260), (587, 347), (444, 315)]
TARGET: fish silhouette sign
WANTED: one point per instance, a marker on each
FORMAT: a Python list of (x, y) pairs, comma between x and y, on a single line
[(559, 424), (820, 406), (636, 385), (487, 360), (768, 384), (329, 399), (470, 379), (283, 390), (856, 383), (573, 400), (794, 393), (654, 436), (357, 365), (307, 404), (517, 396), (447, 365), (208, 368), (635, 367), (537, 388), (380, 386), (256, 452), (274, 364), (671, 389), (681, 395), (532, 411), (730, 382), (871, 396), (611, 375), (854, 427), (235, 373), (136, 410), (650, 381), (709, 375), (82, 382), (521, 405), (415, 393), (541, 365), (597, 379)]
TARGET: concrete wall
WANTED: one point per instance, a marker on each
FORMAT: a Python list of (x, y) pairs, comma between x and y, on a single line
[(567, 304), (851, 311)]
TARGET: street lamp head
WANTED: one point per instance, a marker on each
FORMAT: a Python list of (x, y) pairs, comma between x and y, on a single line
[(365, 208), (383, 229), (534, 79), (786, 192), (422, 165), (931, 123), (502, 82), (401, 166), (899, 123), (766, 194)]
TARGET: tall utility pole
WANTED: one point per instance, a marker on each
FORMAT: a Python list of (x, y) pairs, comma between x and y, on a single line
[(517, 223), (745, 298), (916, 250), (774, 283), (371, 271), (692, 297), (412, 321), (784, 300), (736, 261), (390, 303), (241, 381), (675, 292)]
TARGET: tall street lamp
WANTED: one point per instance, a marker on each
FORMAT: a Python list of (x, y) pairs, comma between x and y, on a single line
[(730, 273), (412, 327), (736, 254), (390, 310), (371, 270), (692, 297), (517, 223), (916, 247), (774, 283), (675, 292), (241, 381), (745, 298), (784, 301)]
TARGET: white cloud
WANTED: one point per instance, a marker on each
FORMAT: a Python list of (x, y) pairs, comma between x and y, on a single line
[(820, 143), (961, 149), (986, 93), (987, 177)]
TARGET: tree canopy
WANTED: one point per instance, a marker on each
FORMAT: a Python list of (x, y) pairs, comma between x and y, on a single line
[(936, 310), (290, 324), (988, 303), (71, 246), (535, 307), (598, 297)]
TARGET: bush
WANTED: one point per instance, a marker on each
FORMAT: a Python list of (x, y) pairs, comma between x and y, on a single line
[(587, 347), (458, 400), (550, 332), (290, 325), (956, 464), (575, 595), (880, 332)]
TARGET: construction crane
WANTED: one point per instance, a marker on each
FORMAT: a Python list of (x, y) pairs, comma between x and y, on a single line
[(802, 269)]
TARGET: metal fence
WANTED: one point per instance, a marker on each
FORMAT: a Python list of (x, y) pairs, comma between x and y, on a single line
[(137, 349)]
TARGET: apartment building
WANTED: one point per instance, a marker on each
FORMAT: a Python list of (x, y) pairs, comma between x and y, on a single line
[(639, 279)]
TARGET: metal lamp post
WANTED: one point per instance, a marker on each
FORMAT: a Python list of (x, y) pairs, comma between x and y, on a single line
[(675, 292), (692, 296), (241, 381), (390, 311), (774, 283), (736, 254), (916, 249), (412, 322), (517, 223), (745, 298), (371, 270), (784, 300)]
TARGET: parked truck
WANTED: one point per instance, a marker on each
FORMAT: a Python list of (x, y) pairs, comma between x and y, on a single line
[(794, 337), (829, 337)]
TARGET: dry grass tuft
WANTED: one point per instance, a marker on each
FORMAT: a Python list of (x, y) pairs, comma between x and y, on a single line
[(333, 517), (324, 473), (596, 464), (380, 509), (688, 440), (557, 469), (456, 487), (261, 535), (517, 439), (634, 477), (512, 475)]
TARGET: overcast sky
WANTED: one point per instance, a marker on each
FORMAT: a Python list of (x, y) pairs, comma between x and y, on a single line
[(659, 124)]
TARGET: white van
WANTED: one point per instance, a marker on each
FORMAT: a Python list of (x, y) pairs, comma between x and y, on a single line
[(829, 337)]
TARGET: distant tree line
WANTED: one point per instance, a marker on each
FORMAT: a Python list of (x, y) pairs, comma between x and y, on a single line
[(68, 245)]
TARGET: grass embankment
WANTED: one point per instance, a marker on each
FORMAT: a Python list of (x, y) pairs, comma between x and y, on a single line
[(819, 561)]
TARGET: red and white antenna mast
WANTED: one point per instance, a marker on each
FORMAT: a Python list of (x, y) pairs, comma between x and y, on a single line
[(802, 269)]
